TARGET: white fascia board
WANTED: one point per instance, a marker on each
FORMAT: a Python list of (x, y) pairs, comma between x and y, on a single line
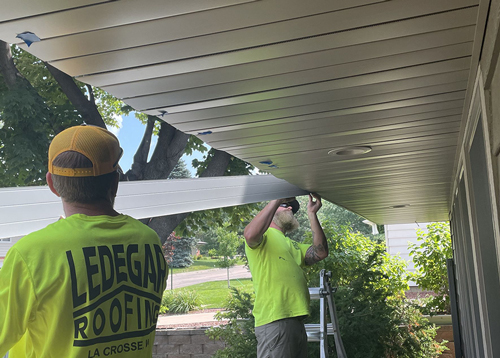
[(27, 209)]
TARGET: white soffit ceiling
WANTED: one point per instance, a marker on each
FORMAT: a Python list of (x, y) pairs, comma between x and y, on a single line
[(287, 81)]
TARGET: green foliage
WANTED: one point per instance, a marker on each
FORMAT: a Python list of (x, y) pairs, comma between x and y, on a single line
[(210, 237), (23, 151), (239, 333), (429, 255), (177, 250), (364, 316), (235, 167), (375, 324), (426, 305), (348, 251), (229, 241), (337, 215), (195, 144), (414, 337), (109, 106), (235, 216), (208, 220), (29, 118), (179, 302), (374, 319), (180, 171), (31, 114)]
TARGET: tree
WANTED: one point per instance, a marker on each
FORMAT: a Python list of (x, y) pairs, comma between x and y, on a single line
[(180, 171), (37, 101), (29, 117), (177, 251), (429, 256), (229, 241)]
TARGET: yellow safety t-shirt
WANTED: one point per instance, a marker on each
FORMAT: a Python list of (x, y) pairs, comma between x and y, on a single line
[(278, 278), (85, 286)]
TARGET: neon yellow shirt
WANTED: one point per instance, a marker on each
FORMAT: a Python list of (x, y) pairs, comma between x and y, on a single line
[(278, 278), (85, 286)]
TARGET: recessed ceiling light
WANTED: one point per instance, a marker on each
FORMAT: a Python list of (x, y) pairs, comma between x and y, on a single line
[(351, 150), (399, 206)]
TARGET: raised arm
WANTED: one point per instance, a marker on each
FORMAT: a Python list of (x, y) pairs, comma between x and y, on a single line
[(319, 248), (260, 223)]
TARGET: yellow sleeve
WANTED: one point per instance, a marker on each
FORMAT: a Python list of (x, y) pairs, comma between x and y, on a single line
[(17, 300)]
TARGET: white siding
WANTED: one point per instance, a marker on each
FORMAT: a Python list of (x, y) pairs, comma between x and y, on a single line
[(27, 209), (5, 246)]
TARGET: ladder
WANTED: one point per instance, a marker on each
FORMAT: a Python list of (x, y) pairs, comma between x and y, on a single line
[(320, 332)]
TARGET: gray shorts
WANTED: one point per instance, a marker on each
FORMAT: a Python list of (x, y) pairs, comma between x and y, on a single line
[(285, 338)]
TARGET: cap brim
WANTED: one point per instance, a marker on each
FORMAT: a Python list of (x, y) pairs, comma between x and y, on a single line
[(295, 206)]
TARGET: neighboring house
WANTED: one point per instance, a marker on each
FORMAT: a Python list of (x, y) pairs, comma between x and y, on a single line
[(5, 245), (398, 236)]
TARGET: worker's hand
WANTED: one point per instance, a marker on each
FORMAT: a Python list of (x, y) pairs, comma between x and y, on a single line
[(314, 203)]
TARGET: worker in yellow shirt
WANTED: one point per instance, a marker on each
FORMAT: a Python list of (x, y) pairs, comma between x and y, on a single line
[(90, 284), (276, 263)]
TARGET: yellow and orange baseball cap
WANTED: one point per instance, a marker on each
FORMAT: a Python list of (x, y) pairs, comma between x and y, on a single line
[(100, 146)]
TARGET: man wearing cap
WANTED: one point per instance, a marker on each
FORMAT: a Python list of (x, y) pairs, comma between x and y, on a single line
[(276, 263), (90, 284)]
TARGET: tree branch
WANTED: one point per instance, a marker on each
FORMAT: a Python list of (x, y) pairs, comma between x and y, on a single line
[(169, 149), (141, 155), (7, 67), (86, 108), (164, 225), (217, 165), (91, 93)]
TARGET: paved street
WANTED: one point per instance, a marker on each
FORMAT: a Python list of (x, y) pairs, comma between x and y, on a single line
[(193, 278)]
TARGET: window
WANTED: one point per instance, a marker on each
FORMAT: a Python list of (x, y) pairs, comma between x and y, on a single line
[(5, 240)]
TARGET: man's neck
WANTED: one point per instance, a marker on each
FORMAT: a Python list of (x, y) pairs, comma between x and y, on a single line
[(274, 226), (103, 208)]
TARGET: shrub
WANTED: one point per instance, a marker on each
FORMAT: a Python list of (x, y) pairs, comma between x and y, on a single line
[(179, 302), (414, 337), (239, 333), (348, 250), (374, 318), (429, 255)]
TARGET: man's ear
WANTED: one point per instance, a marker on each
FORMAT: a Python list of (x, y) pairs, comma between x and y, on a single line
[(48, 176)]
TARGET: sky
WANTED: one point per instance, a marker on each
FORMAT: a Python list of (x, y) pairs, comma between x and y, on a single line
[(130, 135)]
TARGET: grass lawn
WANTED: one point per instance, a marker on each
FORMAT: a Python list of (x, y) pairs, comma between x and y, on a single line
[(199, 265), (214, 294)]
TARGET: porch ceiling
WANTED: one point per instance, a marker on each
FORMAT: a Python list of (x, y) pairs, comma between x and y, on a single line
[(286, 81)]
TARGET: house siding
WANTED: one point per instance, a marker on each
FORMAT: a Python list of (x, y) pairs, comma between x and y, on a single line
[(5, 247)]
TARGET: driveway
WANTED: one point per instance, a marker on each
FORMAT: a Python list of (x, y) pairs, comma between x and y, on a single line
[(192, 278)]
